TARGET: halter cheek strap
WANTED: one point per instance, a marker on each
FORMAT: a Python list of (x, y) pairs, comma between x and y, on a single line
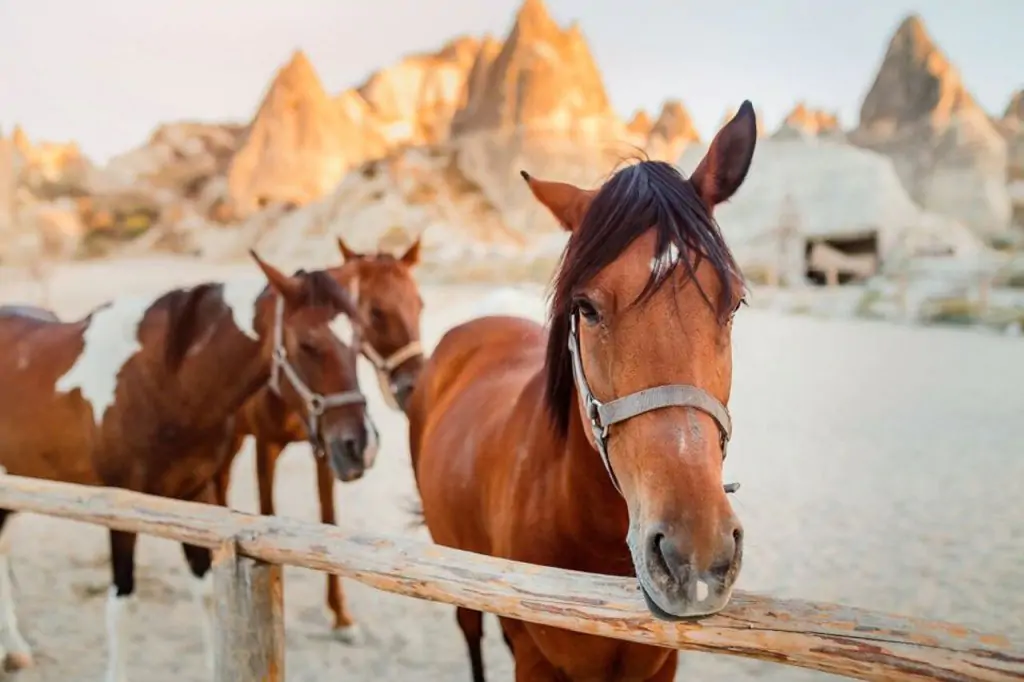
[(603, 415), (315, 404), (386, 367)]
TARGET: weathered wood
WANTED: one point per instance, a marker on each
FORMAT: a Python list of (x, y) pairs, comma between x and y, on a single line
[(249, 609), (826, 637), (189, 522)]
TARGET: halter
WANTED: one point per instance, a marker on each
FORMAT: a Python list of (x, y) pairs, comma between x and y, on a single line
[(603, 415), (386, 367), (315, 403)]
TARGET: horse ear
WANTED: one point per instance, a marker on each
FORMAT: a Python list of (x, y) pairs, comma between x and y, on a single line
[(346, 253), (568, 203), (288, 287), (411, 257), (723, 169)]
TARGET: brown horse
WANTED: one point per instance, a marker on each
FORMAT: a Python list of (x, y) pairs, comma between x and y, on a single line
[(598, 445), (141, 393), (388, 298)]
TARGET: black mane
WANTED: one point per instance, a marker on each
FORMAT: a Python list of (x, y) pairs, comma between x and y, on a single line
[(646, 195)]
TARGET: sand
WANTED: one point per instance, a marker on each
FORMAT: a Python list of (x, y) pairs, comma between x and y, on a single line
[(871, 455)]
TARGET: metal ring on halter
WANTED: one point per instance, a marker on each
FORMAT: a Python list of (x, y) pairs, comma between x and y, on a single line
[(315, 405)]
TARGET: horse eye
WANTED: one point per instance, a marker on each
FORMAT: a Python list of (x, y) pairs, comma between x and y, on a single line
[(307, 347), (587, 310), (376, 315)]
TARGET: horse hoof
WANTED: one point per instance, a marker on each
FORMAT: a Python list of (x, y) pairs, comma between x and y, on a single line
[(349, 634), (17, 660)]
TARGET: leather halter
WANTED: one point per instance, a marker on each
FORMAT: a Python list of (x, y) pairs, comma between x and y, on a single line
[(386, 367), (315, 403), (603, 415)]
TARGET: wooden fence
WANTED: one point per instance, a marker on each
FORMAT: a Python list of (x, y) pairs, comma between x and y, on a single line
[(249, 551)]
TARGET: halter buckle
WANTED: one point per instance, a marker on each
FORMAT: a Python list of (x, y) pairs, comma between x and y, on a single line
[(316, 405)]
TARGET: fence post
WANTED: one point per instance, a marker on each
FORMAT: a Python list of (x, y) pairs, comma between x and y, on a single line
[(249, 629)]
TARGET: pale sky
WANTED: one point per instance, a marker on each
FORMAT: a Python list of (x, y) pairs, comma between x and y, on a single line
[(105, 72)]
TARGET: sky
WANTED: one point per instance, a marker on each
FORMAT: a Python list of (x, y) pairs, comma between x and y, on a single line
[(105, 72)]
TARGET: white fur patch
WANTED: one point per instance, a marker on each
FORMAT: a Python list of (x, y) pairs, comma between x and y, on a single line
[(119, 626), (240, 297), (110, 340), (343, 330), (669, 257), (10, 637)]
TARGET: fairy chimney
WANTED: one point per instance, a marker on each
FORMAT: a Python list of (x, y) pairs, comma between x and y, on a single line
[(300, 143), (544, 77), (947, 151)]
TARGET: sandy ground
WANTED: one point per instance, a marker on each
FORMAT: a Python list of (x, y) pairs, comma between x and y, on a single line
[(873, 459)]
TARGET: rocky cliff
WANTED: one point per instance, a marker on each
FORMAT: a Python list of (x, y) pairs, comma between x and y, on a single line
[(803, 121), (947, 152)]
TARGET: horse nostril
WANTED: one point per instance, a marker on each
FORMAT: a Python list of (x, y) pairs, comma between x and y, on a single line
[(666, 555)]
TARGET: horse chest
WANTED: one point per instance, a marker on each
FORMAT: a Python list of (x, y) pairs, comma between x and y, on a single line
[(586, 658)]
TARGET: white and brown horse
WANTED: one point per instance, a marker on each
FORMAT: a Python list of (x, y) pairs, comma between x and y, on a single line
[(141, 394)]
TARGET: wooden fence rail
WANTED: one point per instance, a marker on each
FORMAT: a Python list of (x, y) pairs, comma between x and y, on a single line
[(249, 551)]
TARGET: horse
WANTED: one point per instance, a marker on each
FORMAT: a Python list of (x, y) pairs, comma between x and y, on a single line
[(140, 394), (554, 446), (29, 311), (389, 300)]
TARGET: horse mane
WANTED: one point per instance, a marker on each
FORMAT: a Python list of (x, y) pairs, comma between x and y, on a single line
[(185, 321), (639, 197), (322, 290)]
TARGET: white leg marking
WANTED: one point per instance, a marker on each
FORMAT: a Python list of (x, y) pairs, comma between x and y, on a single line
[(240, 297), (17, 652), (342, 329), (119, 616), (110, 340), (202, 594), (349, 634)]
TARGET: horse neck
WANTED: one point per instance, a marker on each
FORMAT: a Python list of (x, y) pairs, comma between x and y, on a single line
[(592, 508)]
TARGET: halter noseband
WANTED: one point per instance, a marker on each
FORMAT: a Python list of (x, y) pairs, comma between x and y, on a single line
[(386, 367), (315, 403), (603, 415)]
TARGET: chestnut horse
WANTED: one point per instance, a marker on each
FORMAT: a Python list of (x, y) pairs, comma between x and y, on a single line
[(597, 445), (388, 298), (140, 394)]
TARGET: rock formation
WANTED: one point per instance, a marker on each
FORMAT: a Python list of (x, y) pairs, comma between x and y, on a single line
[(672, 132), (1012, 127), (946, 150), (836, 190), (544, 77), (300, 143), (805, 122), (413, 102)]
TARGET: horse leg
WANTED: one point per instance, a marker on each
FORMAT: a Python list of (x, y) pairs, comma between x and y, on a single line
[(472, 625), (120, 603), (667, 672), (530, 664), (266, 464), (199, 562), (222, 481), (345, 628), (16, 652)]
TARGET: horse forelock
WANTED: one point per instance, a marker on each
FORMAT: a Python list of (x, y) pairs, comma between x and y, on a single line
[(638, 198)]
